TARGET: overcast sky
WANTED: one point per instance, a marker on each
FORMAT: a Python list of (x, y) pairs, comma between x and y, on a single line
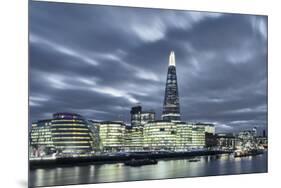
[(99, 61)]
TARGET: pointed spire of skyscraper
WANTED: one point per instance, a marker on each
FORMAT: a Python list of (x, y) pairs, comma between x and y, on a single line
[(172, 59), (171, 106)]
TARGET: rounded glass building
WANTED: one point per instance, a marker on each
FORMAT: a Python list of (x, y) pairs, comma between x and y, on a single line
[(71, 134)]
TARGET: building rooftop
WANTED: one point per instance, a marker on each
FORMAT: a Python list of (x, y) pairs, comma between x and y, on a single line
[(113, 122)]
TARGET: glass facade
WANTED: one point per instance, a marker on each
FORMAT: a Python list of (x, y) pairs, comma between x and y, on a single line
[(226, 141), (198, 136), (71, 134), (136, 139), (184, 136), (160, 135), (111, 136), (139, 117), (147, 116), (41, 142), (171, 106)]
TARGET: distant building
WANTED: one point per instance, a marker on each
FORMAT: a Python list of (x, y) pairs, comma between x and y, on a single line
[(264, 133), (147, 116), (136, 116), (246, 135), (111, 135), (139, 117), (247, 138), (210, 140), (226, 141), (71, 134), (262, 141), (255, 132), (171, 106), (134, 134)]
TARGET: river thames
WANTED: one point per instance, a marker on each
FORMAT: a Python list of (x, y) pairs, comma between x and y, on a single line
[(223, 164)]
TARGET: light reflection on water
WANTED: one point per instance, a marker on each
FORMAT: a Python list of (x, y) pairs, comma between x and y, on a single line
[(207, 166)]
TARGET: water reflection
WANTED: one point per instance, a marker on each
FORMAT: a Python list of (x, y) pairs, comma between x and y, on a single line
[(207, 165)]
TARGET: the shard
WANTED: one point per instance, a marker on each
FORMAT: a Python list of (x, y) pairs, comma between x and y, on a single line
[(171, 106)]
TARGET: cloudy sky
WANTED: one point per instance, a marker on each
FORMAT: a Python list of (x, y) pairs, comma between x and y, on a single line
[(99, 61)]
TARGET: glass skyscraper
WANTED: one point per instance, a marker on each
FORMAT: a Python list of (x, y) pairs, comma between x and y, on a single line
[(171, 106)]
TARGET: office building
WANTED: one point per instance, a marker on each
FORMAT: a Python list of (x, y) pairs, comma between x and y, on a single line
[(147, 116), (111, 135), (160, 135), (71, 134), (139, 117), (184, 136), (171, 106), (136, 116), (198, 136), (136, 143), (226, 141), (40, 137), (93, 126)]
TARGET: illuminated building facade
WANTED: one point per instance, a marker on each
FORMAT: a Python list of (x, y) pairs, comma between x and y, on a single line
[(134, 134), (127, 138), (71, 134), (210, 137), (136, 116), (246, 135), (147, 116), (41, 141), (209, 128), (226, 141), (171, 106), (139, 117), (160, 135), (94, 132), (198, 136), (136, 138), (111, 135), (184, 136)]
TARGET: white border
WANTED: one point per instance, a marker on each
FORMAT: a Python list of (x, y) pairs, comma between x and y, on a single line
[(14, 95)]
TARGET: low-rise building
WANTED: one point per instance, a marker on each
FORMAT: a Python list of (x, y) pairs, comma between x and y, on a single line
[(160, 135), (71, 134), (198, 136), (226, 141), (111, 135), (184, 136), (41, 142)]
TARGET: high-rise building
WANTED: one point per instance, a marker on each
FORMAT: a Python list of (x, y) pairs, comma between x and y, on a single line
[(136, 116), (171, 106), (139, 117), (147, 116), (71, 134), (264, 133)]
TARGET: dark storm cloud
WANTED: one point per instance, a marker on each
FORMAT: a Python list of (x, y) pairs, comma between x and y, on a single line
[(99, 61)]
